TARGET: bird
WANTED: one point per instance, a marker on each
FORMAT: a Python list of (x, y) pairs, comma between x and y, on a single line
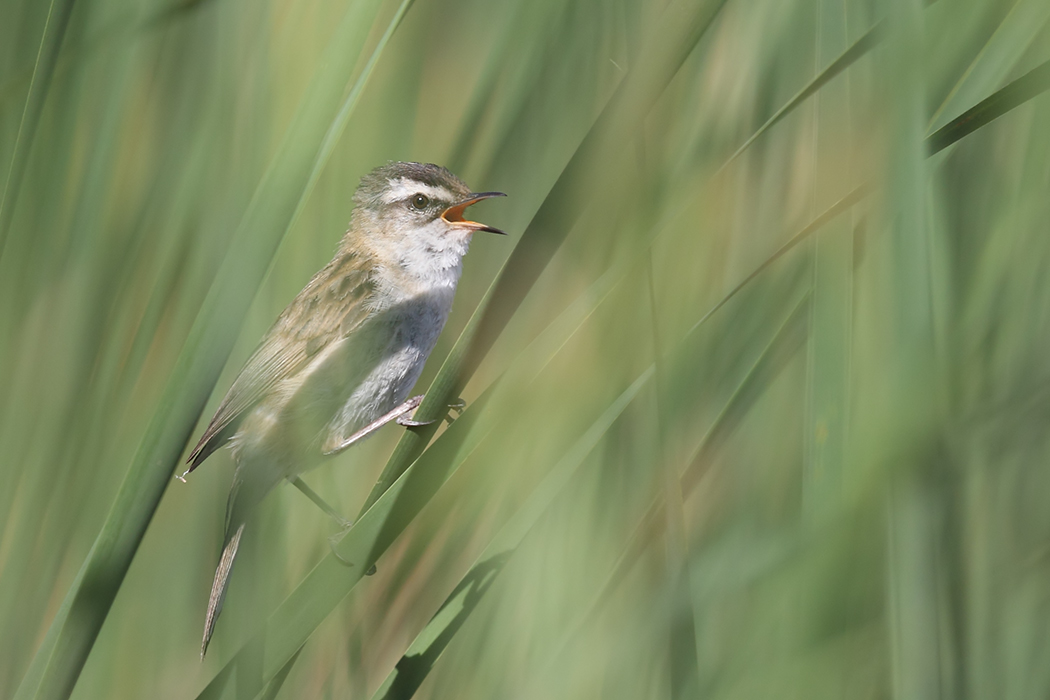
[(341, 358)]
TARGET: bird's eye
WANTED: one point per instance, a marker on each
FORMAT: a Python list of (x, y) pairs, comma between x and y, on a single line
[(421, 201)]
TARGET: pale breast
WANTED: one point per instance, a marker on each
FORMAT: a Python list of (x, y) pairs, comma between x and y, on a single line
[(411, 330), (348, 384)]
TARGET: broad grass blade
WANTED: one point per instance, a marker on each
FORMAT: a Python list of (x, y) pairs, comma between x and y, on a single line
[(828, 398)]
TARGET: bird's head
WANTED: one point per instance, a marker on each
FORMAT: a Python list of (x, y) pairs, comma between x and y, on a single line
[(415, 213)]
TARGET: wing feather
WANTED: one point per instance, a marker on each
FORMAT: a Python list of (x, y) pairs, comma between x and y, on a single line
[(335, 302)]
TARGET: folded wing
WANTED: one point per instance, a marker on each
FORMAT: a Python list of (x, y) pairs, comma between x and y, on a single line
[(334, 303)]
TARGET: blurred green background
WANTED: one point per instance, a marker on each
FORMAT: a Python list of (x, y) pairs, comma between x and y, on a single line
[(674, 478)]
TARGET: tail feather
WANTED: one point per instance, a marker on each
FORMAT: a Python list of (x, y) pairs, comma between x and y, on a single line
[(219, 585)]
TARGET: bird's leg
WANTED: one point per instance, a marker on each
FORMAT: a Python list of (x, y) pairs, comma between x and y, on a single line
[(458, 405), (342, 522), (395, 414), (399, 414)]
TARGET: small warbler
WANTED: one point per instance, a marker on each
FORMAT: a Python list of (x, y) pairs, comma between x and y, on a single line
[(341, 358)]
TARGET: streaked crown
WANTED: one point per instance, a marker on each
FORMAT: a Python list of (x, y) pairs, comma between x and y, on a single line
[(423, 187)]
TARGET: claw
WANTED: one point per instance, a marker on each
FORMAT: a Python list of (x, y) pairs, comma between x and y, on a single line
[(458, 405), (409, 423)]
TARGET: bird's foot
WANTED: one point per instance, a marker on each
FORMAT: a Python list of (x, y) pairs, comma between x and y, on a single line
[(458, 405), (410, 423)]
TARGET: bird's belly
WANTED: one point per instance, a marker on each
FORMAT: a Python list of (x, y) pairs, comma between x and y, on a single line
[(348, 385), (413, 330), (380, 390)]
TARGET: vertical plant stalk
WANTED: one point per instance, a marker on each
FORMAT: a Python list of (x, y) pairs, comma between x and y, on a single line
[(681, 632), (288, 180), (906, 415), (827, 414), (913, 591)]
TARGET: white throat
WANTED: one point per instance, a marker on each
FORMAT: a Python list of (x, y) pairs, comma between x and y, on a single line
[(421, 260)]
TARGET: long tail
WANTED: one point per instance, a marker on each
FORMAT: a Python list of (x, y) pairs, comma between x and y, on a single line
[(219, 585)]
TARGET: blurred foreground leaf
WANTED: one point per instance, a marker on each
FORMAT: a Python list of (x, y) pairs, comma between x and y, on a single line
[(1029, 85), (58, 661)]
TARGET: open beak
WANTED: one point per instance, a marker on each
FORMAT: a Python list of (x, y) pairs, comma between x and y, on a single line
[(454, 214)]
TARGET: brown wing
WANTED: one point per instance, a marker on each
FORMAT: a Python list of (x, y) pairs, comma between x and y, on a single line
[(334, 303)]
